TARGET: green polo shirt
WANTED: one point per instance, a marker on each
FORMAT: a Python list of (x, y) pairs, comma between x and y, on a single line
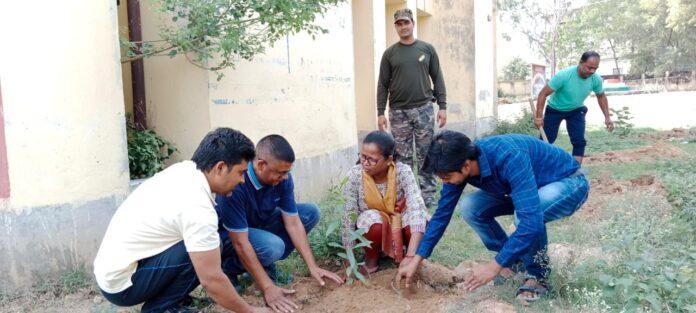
[(570, 90)]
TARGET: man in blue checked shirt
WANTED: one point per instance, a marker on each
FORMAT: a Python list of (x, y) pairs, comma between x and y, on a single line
[(515, 174), (265, 224)]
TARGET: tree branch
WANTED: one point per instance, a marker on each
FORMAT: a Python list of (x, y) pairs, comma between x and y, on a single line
[(144, 55)]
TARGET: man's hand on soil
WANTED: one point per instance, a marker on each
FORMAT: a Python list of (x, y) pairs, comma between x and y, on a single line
[(276, 300), (319, 273), (407, 270), (481, 274)]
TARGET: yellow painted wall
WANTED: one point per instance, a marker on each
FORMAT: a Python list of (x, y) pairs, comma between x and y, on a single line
[(63, 103), (319, 94), (369, 39), (486, 95), (125, 67), (176, 95), (390, 31), (365, 63), (301, 88), (450, 29)]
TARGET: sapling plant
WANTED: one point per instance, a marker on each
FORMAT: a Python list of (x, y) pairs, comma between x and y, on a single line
[(622, 125), (348, 253)]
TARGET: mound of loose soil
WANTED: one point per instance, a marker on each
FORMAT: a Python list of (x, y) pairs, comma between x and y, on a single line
[(676, 135), (432, 292), (648, 153), (604, 188), (380, 295)]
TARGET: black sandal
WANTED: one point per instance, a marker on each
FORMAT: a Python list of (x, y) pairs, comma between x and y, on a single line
[(538, 292)]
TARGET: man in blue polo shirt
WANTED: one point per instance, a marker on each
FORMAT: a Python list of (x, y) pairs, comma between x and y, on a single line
[(515, 174), (265, 224)]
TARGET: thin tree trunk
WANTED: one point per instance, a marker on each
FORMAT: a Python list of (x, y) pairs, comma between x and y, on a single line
[(613, 52)]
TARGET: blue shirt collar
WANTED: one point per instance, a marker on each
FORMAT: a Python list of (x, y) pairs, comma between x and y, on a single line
[(252, 176), (484, 166)]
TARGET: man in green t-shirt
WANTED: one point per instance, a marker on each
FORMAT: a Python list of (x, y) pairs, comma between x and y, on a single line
[(569, 89), (405, 75)]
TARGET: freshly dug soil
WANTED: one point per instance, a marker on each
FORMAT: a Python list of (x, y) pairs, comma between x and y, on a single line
[(657, 151)]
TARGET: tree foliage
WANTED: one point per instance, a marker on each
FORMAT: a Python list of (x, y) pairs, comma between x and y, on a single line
[(539, 21), (214, 34), (517, 69), (653, 35)]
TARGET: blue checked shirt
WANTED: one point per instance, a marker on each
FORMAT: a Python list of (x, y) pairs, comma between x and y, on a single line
[(512, 165)]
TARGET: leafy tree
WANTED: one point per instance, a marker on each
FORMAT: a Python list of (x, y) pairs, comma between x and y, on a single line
[(214, 34), (539, 21), (517, 69), (654, 35), (581, 32)]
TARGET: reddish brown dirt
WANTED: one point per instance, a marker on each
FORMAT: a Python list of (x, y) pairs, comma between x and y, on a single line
[(657, 151), (676, 135), (434, 290), (604, 187), (380, 295)]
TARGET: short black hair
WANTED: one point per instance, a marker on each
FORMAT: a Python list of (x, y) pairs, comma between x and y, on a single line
[(276, 147), (589, 54), (384, 141), (223, 144), (448, 152)]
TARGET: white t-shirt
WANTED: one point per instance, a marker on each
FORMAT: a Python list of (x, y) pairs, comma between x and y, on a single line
[(174, 205)]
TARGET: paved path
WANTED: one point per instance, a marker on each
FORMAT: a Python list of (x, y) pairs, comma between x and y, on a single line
[(658, 110)]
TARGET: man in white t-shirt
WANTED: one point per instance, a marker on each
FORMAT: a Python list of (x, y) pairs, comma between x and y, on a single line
[(163, 241)]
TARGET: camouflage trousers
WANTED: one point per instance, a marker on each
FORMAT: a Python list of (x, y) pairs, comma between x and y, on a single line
[(415, 127)]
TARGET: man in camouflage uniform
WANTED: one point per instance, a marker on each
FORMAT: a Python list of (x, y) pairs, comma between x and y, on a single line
[(405, 75)]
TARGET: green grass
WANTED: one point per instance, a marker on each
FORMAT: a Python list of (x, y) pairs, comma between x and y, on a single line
[(646, 258), (67, 282), (599, 140)]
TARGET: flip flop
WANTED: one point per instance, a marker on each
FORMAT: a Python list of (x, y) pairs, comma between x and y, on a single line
[(538, 292)]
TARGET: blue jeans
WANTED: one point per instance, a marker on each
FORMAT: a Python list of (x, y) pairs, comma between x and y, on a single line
[(575, 124), (557, 200), (271, 241), (161, 281)]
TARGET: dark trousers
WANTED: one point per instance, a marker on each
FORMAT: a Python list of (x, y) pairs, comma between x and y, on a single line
[(271, 241), (575, 124), (165, 279), (160, 281)]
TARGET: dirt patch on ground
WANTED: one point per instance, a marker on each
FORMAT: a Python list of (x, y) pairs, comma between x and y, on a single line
[(605, 188), (569, 255), (380, 295), (674, 135), (657, 151), (435, 289), (83, 301)]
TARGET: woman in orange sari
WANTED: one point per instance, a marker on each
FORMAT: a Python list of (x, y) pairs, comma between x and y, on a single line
[(387, 201)]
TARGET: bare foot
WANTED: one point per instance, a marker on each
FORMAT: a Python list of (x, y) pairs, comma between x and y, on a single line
[(370, 266)]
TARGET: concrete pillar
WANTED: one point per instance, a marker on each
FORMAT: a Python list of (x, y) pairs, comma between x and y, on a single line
[(369, 42)]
